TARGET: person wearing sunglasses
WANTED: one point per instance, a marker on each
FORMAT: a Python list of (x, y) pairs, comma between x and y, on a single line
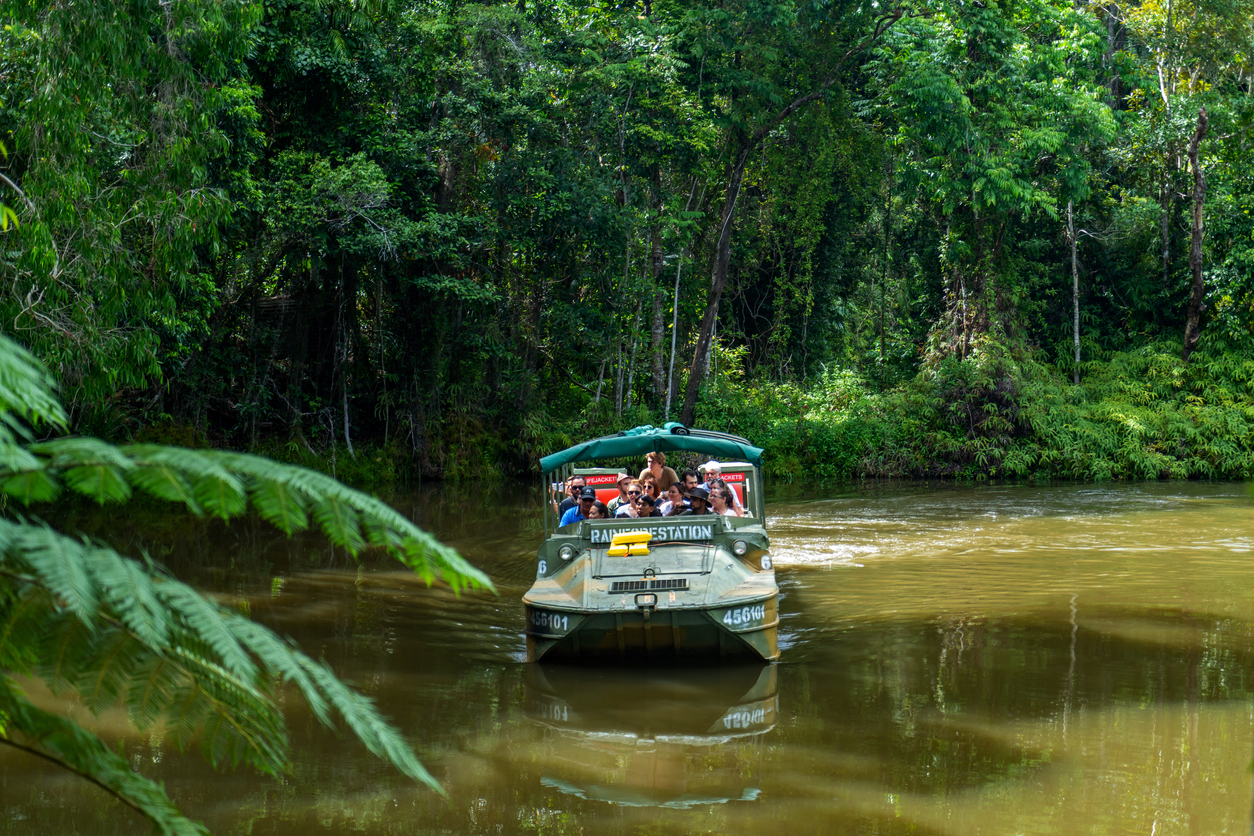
[(630, 508), (721, 501), (624, 479), (574, 487)]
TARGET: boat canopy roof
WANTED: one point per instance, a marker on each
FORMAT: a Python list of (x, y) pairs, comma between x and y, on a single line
[(647, 439)]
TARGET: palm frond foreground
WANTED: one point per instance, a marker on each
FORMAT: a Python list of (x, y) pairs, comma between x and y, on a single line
[(117, 631)]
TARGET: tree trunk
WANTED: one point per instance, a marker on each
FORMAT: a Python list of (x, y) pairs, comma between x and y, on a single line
[(1192, 331), (659, 319), (722, 261), (1075, 292), (670, 375), (1116, 40), (1164, 226), (631, 363)]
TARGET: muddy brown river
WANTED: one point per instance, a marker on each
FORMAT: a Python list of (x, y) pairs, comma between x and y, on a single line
[(956, 660)]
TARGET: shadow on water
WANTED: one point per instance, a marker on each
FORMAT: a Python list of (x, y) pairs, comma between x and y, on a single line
[(1024, 710)]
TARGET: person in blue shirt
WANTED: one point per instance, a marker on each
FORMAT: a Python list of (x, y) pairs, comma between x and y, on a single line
[(580, 512)]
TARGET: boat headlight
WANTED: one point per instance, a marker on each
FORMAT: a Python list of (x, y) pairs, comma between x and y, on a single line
[(740, 547), (566, 552)]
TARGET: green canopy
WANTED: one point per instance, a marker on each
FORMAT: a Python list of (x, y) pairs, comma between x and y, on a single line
[(641, 440)]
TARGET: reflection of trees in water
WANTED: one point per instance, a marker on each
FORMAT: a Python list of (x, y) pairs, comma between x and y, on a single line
[(931, 708), (927, 710)]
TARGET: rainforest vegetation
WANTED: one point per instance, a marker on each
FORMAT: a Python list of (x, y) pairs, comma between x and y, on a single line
[(387, 239), (969, 238)]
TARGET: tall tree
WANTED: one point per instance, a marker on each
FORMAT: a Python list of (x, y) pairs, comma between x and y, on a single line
[(767, 63)]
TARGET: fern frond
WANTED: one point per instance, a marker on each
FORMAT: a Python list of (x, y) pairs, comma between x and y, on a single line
[(63, 646), (117, 631), (280, 505), (73, 451), (172, 654), (164, 482), (204, 619), (152, 690), (99, 482), (128, 588), (423, 550), (339, 521), (14, 458), (363, 718), (213, 488), (69, 745), (31, 486), (281, 661), (26, 390), (58, 562)]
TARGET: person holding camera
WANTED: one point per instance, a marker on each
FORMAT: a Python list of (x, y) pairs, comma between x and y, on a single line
[(574, 487)]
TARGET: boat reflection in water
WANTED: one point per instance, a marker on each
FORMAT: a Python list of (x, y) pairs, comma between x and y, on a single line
[(653, 738)]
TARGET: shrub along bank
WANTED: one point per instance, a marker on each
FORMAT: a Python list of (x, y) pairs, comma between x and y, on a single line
[(996, 414)]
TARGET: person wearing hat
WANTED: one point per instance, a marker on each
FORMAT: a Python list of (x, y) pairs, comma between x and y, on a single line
[(624, 479), (580, 512), (698, 502)]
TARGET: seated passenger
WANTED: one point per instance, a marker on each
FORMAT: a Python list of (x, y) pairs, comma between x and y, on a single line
[(624, 479), (650, 487), (675, 501), (580, 511), (599, 511), (714, 476), (698, 499), (691, 480), (574, 487), (628, 508), (733, 501), (647, 507), (655, 466), (721, 502)]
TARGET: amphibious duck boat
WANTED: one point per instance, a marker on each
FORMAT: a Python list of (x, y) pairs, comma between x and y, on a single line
[(682, 588)]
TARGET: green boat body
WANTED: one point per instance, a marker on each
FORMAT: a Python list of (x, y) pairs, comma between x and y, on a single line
[(705, 591)]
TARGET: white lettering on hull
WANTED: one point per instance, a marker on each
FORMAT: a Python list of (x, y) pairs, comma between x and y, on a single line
[(661, 533)]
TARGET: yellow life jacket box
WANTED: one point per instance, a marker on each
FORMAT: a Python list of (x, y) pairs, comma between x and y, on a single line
[(630, 543)]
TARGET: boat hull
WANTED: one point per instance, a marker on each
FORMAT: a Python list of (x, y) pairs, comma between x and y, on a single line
[(746, 630)]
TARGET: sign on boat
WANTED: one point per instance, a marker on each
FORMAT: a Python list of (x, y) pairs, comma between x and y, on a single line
[(693, 587)]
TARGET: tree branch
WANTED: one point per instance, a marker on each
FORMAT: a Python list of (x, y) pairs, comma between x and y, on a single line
[(85, 775)]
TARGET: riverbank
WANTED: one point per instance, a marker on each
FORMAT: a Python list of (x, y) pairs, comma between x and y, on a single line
[(993, 415), (1135, 415)]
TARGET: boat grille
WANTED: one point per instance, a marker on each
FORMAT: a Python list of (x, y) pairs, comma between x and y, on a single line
[(649, 585)]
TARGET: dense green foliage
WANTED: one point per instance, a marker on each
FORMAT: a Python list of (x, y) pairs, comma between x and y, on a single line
[(457, 233), (116, 631), (1139, 415)]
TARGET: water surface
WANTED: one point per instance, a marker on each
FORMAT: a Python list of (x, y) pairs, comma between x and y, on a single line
[(992, 660)]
